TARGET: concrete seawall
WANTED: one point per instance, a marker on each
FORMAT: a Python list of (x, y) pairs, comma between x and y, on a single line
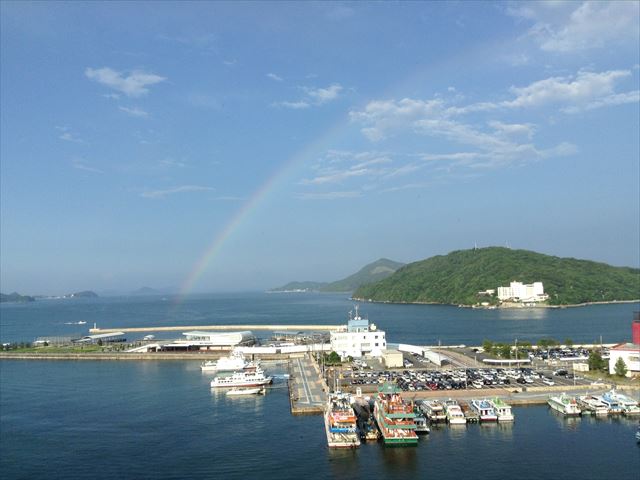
[(186, 328)]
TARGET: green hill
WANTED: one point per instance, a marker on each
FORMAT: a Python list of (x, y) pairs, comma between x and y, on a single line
[(457, 277), (15, 297), (374, 272)]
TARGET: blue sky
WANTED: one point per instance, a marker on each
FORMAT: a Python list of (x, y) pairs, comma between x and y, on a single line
[(300, 141)]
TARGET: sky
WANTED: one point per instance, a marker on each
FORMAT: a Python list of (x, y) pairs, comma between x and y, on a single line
[(221, 146)]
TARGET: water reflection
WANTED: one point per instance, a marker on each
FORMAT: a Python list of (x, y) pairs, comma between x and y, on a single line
[(399, 459), (523, 313)]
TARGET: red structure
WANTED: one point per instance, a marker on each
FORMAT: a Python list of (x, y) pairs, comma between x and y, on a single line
[(635, 329)]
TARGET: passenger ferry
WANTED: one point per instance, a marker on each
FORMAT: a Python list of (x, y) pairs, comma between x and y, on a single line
[(485, 410), (253, 377), (564, 404), (454, 413), (503, 410), (340, 422), (629, 405), (592, 405), (434, 411), (611, 401), (394, 417)]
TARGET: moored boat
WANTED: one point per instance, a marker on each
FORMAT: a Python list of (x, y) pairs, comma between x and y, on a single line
[(470, 415), (340, 422), (246, 391), (591, 404), (564, 404), (503, 410), (629, 405), (232, 363), (394, 417), (485, 410), (454, 413), (422, 426), (433, 410), (250, 378), (612, 403)]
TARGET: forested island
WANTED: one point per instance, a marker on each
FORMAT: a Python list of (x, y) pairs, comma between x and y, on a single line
[(461, 278)]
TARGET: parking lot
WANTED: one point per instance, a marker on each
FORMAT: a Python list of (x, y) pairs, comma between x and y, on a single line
[(418, 375)]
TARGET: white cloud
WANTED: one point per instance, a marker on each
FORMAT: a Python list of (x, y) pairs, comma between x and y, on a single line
[(82, 165), (324, 95), (133, 85), (67, 135), (314, 97), (275, 77), (584, 87), (329, 195), (134, 111), (610, 100), (174, 190), (293, 105), (566, 27)]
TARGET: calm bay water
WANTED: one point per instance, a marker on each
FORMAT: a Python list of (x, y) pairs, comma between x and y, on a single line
[(89, 419), (417, 324)]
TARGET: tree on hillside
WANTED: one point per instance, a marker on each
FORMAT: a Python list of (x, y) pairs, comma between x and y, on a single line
[(620, 367)]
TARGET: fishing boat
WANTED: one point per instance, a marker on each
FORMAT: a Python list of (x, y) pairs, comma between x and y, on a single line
[(246, 391), (247, 378), (454, 413), (564, 404), (591, 404), (340, 422), (394, 417), (485, 410), (629, 405), (470, 415), (612, 403), (434, 411), (232, 363), (422, 425), (503, 410)]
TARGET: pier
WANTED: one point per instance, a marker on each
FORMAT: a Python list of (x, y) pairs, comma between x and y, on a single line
[(185, 328), (307, 390)]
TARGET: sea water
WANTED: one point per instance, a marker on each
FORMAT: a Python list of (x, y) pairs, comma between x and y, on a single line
[(161, 420)]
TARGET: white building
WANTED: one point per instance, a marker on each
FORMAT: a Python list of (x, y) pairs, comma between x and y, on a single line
[(519, 292), (630, 354), (200, 340), (361, 338)]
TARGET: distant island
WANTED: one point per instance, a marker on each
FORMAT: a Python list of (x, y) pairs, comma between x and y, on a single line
[(83, 294), (464, 277), (15, 297), (373, 272)]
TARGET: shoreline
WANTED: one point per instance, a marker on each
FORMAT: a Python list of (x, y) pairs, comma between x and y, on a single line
[(498, 307)]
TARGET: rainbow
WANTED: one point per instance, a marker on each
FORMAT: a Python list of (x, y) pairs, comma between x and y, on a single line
[(219, 240)]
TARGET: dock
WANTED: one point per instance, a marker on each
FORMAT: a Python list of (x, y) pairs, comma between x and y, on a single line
[(307, 390), (186, 328)]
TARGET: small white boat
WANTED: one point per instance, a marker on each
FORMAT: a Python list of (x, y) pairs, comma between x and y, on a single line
[(454, 413), (246, 391), (564, 404)]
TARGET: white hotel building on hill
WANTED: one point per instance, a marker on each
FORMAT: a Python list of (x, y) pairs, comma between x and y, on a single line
[(519, 292)]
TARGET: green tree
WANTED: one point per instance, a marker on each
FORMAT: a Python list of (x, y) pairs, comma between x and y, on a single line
[(620, 367), (505, 350), (332, 359), (595, 361), (487, 345), (568, 342)]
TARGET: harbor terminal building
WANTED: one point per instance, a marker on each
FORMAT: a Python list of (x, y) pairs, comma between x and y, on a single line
[(360, 338), (628, 352)]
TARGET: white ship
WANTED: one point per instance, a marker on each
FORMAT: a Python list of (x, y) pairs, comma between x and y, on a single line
[(254, 377), (232, 363), (454, 413), (503, 410), (434, 411), (564, 404), (628, 404), (246, 391), (485, 410), (590, 404)]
